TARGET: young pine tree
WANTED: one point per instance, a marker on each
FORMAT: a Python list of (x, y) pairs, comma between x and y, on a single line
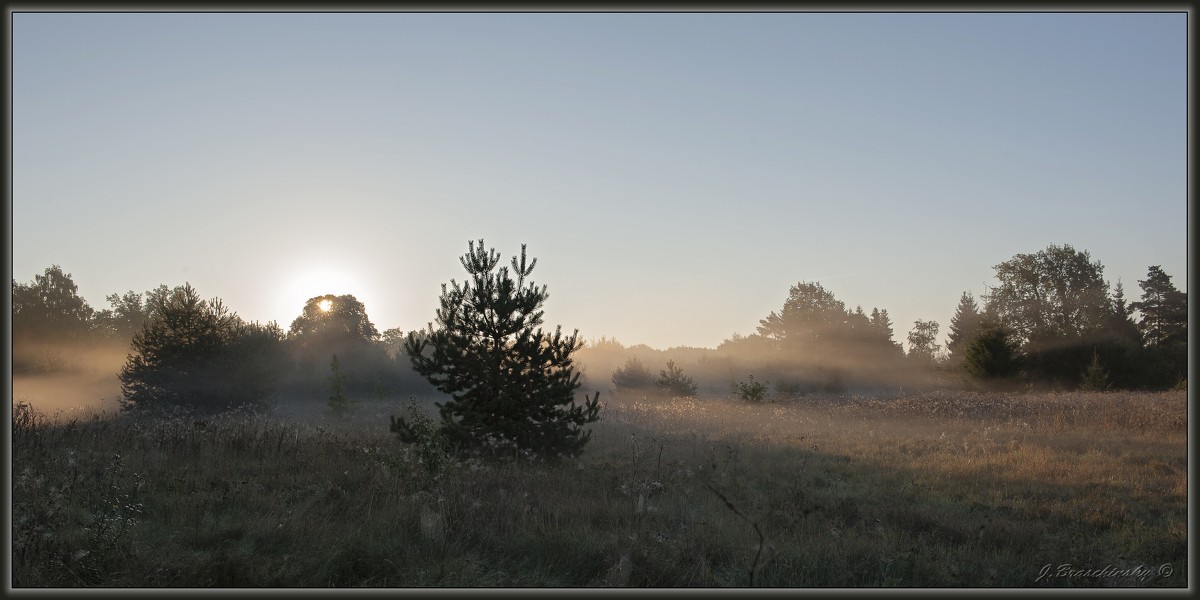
[(672, 382), (633, 376), (1094, 378), (993, 353), (510, 383)]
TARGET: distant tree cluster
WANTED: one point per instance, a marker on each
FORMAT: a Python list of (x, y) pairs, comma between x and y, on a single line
[(1052, 319), (186, 353), (636, 378), (196, 355)]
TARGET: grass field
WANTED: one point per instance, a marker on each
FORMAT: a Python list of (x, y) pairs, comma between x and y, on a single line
[(925, 490)]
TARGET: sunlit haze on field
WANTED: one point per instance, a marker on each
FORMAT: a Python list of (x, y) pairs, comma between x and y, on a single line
[(674, 174)]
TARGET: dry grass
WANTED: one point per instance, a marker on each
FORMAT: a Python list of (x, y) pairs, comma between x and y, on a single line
[(922, 490)]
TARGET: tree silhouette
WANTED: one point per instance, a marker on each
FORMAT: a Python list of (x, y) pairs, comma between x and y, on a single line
[(811, 316), (330, 325), (1163, 308), (922, 342), (511, 384), (964, 325), (1055, 294), (993, 353), (672, 381), (633, 376), (196, 355), (127, 315), (49, 308), (332, 316)]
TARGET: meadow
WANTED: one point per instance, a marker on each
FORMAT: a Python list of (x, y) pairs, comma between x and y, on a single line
[(928, 489)]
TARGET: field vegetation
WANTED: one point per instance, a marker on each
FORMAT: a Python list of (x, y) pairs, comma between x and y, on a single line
[(927, 489)]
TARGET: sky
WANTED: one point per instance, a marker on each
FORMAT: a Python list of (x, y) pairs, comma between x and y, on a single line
[(674, 174)]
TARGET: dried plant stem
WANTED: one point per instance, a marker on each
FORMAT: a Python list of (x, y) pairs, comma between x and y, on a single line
[(761, 539)]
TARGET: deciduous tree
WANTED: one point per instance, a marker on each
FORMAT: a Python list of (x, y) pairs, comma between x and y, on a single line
[(1054, 294)]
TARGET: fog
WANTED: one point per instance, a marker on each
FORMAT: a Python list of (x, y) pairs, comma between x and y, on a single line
[(82, 379), (68, 378)]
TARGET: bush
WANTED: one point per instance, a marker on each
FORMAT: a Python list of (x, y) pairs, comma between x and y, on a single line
[(751, 390)]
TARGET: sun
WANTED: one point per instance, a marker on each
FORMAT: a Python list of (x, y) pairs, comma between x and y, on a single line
[(325, 305)]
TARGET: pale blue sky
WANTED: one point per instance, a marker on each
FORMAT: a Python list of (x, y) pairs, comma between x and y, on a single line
[(674, 174)]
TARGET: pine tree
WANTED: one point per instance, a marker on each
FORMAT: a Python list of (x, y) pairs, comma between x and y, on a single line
[(963, 327), (993, 353), (882, 323), (511, 384), (1163, 308), (1122, 325), (633, 376), (1094, 378), (673, 382), (196, 355)]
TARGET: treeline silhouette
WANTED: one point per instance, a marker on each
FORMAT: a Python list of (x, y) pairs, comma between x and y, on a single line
[(186, 353), (1051, 322)]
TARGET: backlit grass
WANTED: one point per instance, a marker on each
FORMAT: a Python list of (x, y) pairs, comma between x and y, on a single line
[(926, 490)]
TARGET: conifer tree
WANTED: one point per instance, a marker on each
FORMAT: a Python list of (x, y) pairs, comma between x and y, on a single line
[(963, 327), (633, 376), (993, 353), (1163, 308), (673, 382), (882, 323), (1094, 378), (1123, 326), (197, 355), (511, 384)]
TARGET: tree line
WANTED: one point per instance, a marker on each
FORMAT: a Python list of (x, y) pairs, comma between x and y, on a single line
[(1051, 320), (196, 354)]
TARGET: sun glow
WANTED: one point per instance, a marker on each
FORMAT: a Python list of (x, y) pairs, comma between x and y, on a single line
[(312, 281)]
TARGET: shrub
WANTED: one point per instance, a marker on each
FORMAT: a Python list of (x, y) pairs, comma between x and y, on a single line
[(751, 390)]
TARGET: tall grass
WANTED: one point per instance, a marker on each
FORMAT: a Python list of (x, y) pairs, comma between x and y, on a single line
[(924, 490)]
